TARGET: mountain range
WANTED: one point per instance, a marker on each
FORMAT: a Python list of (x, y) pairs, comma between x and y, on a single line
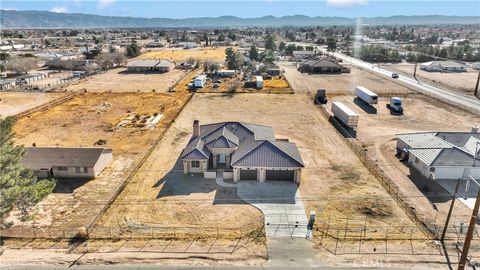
[(12, 19)]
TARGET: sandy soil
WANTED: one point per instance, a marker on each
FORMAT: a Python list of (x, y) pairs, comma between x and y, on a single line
[(96, 116), (340, 83), (178, 54), (12, 103), (117, 80), (463, 81), (376, 134)]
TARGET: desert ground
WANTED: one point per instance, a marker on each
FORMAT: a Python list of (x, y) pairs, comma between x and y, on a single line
[(376, 132), (461, 81), (85, 121), (340, 83), (118, 80), (178, 54), (12, 103)]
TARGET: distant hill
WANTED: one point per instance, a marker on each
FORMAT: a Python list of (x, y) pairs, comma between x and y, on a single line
[(10, 19)]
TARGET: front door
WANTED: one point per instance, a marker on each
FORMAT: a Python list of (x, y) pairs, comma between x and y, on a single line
[(221, 158)]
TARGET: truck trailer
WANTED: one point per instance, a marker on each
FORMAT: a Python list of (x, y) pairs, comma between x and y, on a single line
[(347, 116), (366, 95)]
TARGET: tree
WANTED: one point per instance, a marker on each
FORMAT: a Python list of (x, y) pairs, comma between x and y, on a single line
[(270, 43), (21, 65), (19, 188), (91, 54), (4, 56), (331, 44), (233, 59), (110, 60), (132, 50), (289, 49), (253, 54), (282, 46)]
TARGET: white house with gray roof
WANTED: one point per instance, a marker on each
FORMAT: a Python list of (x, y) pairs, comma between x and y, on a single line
[(449, 155), (250, 151)]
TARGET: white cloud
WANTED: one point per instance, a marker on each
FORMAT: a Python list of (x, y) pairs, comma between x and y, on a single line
[(104, 3), (77, 2), (59, 9), (346, 3)]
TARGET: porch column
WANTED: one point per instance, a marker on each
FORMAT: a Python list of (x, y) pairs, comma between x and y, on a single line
[(185, 167), (298, 174), (261, 175), (227, 161), (236, 174), (204, 164), (214, 161)]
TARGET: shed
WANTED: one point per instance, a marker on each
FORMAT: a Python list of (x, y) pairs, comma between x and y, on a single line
[(259, 82)]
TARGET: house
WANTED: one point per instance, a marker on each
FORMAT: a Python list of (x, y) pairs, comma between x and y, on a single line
[(150, 66), (186, 65), (448, 155), (242, 151), (60, 162), (274, 71), (300, 55), (7, 84), (28, 78), (322, 66), (440, 66), (225, 73)]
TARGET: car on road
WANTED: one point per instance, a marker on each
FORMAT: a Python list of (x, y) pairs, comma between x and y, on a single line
[(395, 76)]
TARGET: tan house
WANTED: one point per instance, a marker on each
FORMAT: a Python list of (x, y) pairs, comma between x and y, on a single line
[(59, 162), (241, 151), (161, 66)]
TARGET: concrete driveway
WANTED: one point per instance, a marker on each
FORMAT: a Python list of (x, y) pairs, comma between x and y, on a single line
[(281, 206)]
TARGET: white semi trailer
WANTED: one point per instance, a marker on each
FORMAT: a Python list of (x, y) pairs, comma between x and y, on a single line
[(366, 95), (347, 116)]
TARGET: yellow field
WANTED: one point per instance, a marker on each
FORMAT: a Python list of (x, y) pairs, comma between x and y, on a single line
[(276, 83), (211, 54)]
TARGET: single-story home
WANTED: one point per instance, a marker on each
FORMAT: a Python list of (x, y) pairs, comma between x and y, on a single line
[(7, 84), (150, 66), (31, 77), (226, 73), (242, 151), (439, 66), (65, 162), (320, 66), (299, 55), (274, 71), (446, 155)]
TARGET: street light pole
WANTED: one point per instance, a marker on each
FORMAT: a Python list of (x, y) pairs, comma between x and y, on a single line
[(471, 227)]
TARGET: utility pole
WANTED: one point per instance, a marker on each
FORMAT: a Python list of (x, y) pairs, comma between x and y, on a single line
[(415, 71), (476, 86), (450, 211), (471, 227)]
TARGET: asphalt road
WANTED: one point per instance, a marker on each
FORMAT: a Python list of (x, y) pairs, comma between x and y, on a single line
[(469, 102)]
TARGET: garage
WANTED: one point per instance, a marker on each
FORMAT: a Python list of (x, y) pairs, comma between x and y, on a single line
[(248, 174), (280, 175)]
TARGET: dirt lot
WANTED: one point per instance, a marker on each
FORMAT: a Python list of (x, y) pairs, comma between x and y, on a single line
[(201, 54), (169, 201), (463, 81), (81, 122), (117, 80), (376, 133), (340, 83), (12, 103)]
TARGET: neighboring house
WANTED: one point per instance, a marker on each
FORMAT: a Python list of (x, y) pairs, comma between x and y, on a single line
[(250, 151), (449, 155), (439, 66), (320, 66), (299, 55), (150, 66), (7, 84), (28, 78), (225, 73), (60, 162), (274, 71), (186, 65)]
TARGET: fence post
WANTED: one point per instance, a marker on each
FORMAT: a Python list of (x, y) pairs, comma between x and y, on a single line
[(336, 244), (386, 241)]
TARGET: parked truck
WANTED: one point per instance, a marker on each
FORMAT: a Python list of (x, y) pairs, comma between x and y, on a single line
[(320, 97), (366, 95), (395, 105), (199, 81), (347, 116)]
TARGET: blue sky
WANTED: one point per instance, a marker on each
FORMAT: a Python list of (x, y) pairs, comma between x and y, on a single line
[(249, 9)]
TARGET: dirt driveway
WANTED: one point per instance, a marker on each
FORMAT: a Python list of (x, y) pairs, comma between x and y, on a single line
[(12, 103)]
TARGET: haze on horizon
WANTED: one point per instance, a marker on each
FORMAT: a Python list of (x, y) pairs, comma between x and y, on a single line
[(250, 9)]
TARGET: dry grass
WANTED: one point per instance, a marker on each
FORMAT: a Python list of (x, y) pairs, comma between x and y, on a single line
[(204, 54), (276, 83)]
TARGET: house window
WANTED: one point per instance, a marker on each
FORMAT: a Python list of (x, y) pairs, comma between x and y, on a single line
[(62, 168), (416, 160), (81, 169), (195, 164)]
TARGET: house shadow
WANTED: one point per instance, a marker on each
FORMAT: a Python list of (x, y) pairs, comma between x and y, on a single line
[(176, 183), (68, 185), (365, 106), (346, 132), (432, 190)]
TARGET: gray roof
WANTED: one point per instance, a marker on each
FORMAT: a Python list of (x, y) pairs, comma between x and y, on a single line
[(243, 131), (149, 63), (321, 63), (195, 150), (454, 157), (226, 140), (424, 140), (457, 138), (46, 157), (267, 154), (427, 156)]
